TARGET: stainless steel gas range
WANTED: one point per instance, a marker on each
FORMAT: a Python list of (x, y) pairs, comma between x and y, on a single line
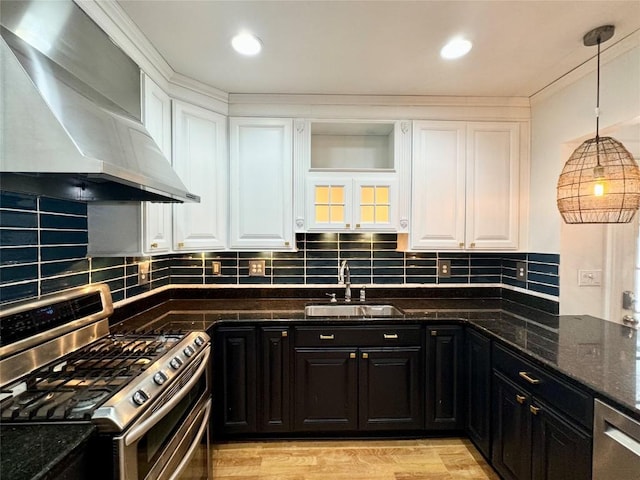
[(149, 394)]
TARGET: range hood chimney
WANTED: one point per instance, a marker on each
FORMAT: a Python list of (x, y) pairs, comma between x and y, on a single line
[(70, 111)]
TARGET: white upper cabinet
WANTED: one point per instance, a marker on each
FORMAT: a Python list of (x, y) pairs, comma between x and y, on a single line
[(157, 119), (261, 183), (137, 228), (465, 185), (200, 159), (352, 174)]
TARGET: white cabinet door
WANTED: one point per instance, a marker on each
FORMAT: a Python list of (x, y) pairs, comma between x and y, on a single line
[(493, 178), (352, 203), (200, 161), (465, 185), (157, 119), (136, 228), (261, 182), (438, 185)]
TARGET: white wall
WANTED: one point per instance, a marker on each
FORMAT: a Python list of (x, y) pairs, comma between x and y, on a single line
[(560, 119)]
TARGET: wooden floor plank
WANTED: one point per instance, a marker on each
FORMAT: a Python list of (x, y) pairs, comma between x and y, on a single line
[(419, 459)]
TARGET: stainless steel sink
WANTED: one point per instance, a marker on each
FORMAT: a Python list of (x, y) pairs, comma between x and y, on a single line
[(352, 310)]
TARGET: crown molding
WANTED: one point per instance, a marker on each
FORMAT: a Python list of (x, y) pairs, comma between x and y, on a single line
[(617, 49)]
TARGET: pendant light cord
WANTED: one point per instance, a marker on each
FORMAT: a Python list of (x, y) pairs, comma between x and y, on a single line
[(598, 108)]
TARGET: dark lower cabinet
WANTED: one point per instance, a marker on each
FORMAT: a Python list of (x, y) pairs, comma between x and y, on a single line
[(326, 389), (531, 439), (444, 378), (275, 376), (560, 450), (390, 389), (511, 430), (478, 390), (234, 380)]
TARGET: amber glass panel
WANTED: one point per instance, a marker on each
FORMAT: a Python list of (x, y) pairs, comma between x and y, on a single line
[(367, 213), (337, 195), (322, 195), (337, 214), (382, 196), (322, 214), (367, 195), (382, 214)]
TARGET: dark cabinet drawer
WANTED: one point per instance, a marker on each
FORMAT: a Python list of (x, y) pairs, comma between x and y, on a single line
[(360, 336), (559, 393)]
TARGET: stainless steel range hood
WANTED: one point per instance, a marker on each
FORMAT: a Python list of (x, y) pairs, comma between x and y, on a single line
[(70, 111)]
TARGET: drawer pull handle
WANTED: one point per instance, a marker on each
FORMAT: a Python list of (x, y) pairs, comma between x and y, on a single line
[(533, 409), (284, 333), (154, 245), (352, 355), (434, 333), (365, 355), (520, 399), (327, 337), (531, 380), (390, 336)]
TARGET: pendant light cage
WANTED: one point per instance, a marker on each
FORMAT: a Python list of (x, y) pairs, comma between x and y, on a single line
[(600, 183), (621, 198)]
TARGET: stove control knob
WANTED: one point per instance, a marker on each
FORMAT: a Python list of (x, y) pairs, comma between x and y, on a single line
[(189, 351), (199, 341), (175, 363), (159, 378), (140, 397)]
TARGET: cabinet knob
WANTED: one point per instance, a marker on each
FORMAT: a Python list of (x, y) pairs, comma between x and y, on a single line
[(286, 244), (284, 333), (352, 355), (473, 245), (365, 355), (434, 333), (348, 225), (534, 410), (520, 399), (461, 244), (154, 245), (180, 244), (528, 378), (357, 225)]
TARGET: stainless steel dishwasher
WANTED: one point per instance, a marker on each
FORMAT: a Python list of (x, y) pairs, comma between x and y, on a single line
[(616, 445)]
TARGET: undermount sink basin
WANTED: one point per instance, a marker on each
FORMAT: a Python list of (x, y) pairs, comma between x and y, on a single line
[(352, 310)]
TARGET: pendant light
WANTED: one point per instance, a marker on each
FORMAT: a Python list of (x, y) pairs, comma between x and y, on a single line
[(600, 183)]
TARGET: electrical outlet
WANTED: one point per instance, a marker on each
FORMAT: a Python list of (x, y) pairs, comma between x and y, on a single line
[(589, 278), (256, 268), (444, 268), (216, 268), (521, 271), (144, 274)]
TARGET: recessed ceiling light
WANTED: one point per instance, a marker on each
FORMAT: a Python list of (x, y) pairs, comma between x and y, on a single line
[(456, 48), (246, 44)]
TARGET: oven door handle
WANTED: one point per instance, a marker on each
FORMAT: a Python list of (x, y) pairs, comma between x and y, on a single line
[(196, 442), (139, 430)]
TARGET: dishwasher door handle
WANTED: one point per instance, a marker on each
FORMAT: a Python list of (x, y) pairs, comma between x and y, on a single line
[(620, 437)]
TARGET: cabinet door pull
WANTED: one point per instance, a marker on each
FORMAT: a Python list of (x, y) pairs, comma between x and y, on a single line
[(154, 245), (327, 337), (520, 399), (284, 333), (352, 355), (365, 355), (390, 336), (434, 333), (531, 380), (533, 409)]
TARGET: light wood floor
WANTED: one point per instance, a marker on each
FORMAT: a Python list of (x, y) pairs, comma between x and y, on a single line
[(421, 459)]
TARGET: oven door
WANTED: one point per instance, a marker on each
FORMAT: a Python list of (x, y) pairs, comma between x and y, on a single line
[(171, 441)]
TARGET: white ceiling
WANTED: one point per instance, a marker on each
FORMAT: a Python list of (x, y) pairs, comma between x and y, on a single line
[(379, 47)]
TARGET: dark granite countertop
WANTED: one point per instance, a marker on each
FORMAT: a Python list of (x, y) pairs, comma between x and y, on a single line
[(36, 452), (602, 356)]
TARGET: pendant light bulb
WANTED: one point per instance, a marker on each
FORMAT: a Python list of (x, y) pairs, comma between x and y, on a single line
[(598, 187)]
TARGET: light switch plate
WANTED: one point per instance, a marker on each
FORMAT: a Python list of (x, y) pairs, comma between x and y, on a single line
[(589, 278), (216, 268)]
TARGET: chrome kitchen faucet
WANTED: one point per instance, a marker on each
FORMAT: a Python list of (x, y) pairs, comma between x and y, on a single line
[(344, 278)]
